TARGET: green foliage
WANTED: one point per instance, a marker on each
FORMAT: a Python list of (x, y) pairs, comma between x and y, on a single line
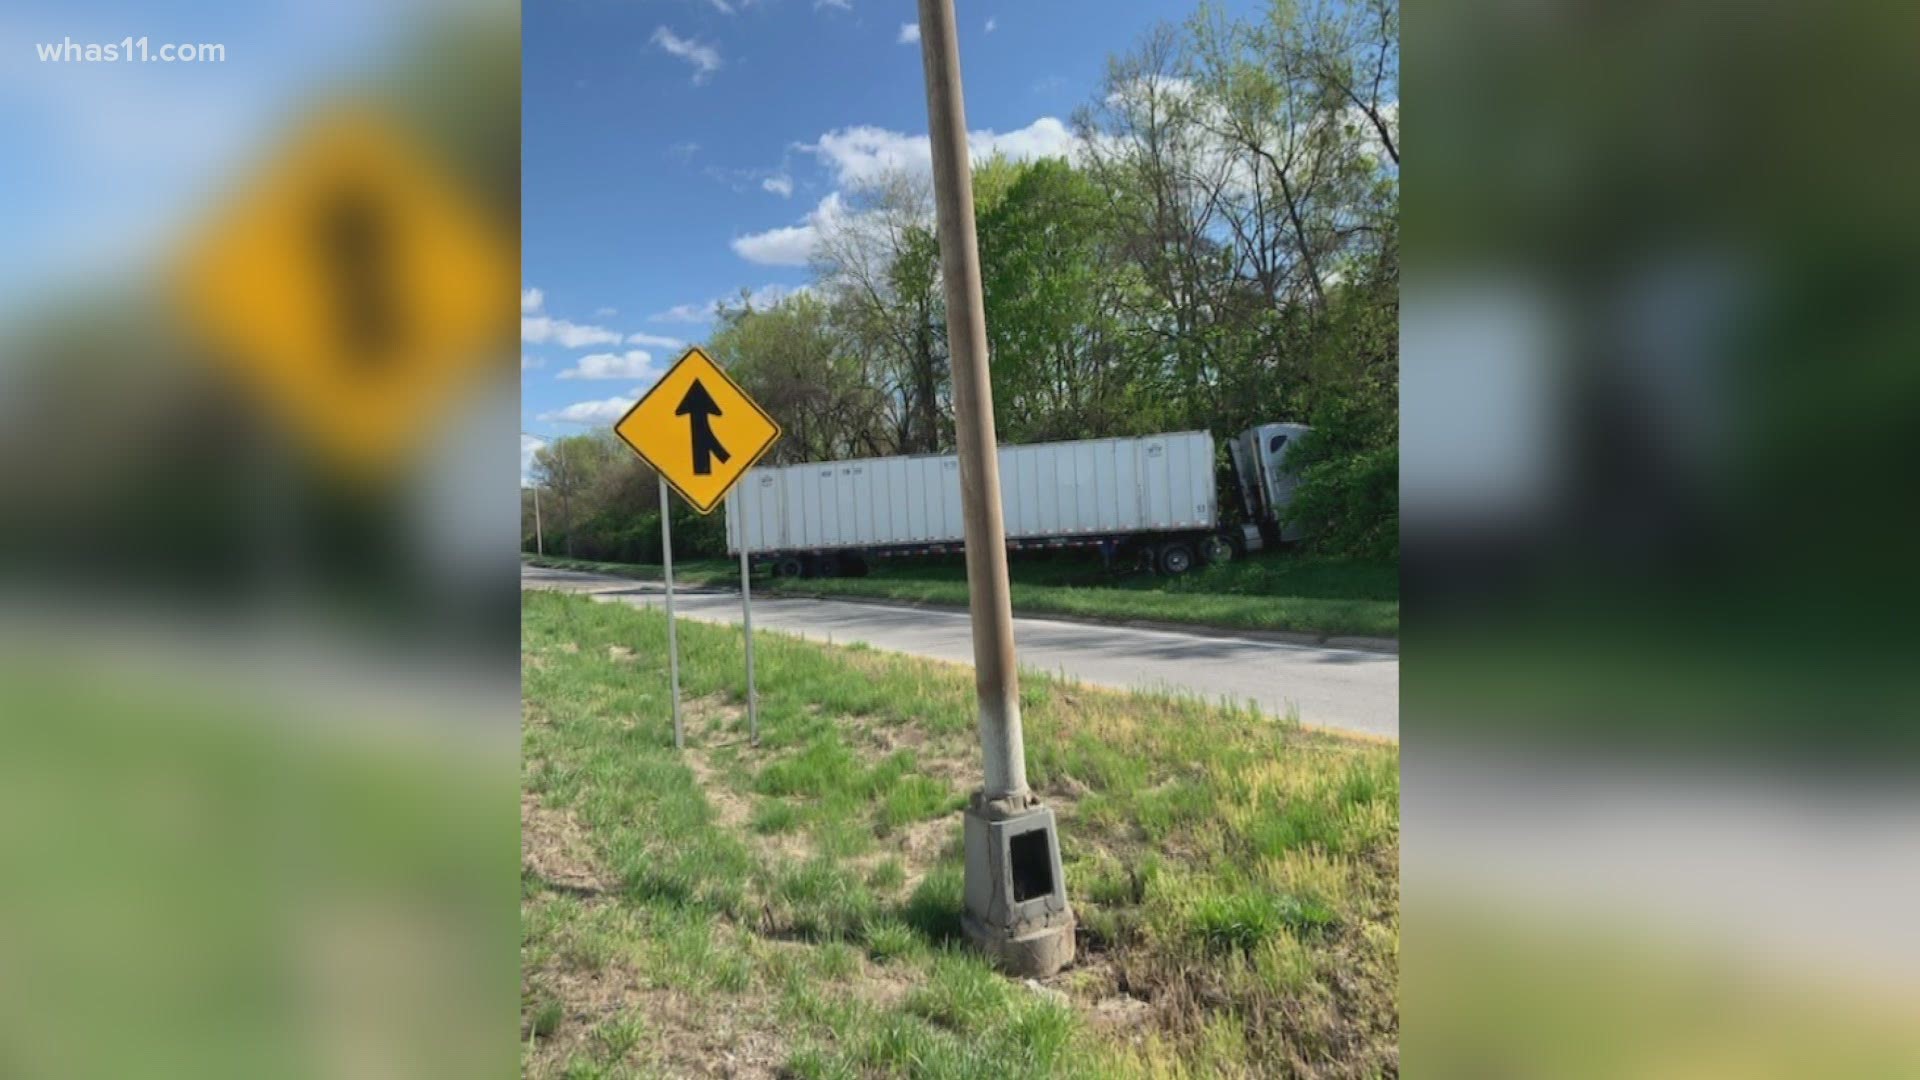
[(1348, 496), (1245, 920)]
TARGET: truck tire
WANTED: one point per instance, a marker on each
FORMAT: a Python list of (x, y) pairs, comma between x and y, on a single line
[(788, 566), (1176, 559), (854, 566), (1216, 549), (825, 566)]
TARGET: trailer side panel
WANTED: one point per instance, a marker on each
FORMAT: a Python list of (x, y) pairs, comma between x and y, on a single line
[(1089, 488)]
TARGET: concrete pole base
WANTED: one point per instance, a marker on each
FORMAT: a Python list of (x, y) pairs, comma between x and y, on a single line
[(1016, 897)]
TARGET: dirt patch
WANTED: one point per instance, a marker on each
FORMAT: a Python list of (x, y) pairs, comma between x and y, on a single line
[(891, 739), (884, 986), (921, 847), (952, 760), (705, 720), (718, 1035), (620, 654), (1094, 987), (712, 723), (555, 846), (683, 1034), (710, 720)]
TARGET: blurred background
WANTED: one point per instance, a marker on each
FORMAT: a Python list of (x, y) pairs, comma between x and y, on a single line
[(1659, 703), (259, 687)]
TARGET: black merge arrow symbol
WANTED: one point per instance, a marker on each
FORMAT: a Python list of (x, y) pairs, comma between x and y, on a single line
[(698, 407)]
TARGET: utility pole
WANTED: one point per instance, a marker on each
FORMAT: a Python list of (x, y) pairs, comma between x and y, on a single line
[(1016, 901), (539, 540), (566, 491)]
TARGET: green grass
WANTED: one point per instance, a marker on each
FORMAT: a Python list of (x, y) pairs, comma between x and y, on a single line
[(1269, 591), (1234, 876)]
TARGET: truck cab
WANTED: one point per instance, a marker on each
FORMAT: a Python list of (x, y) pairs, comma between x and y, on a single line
[(1266, 481)]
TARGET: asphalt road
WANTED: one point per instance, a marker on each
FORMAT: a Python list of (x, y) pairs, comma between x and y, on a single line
[(1343, 689)]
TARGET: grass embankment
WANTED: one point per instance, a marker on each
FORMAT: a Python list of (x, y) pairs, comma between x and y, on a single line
[(1276, 591), (794, 909)]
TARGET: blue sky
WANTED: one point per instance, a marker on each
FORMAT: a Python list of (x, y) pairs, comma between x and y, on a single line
[(674, 150)]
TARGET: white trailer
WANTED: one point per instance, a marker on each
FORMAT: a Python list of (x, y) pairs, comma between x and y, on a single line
[(1155, 494)]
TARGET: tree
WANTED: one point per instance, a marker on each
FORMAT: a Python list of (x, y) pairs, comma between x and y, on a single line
[(1055, 293), (879, 266), (794, 360)]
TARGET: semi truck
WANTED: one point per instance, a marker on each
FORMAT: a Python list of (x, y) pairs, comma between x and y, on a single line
[(1153, 497)]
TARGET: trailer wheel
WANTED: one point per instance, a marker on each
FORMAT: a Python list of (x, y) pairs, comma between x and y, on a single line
[(1176, 559), (788, 566), (854, 566), (1216, 549), (826, 566)]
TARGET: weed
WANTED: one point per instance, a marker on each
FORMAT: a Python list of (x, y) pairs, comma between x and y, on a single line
[(774, 816), (889, 939), (916, 798), (618, 1036), (888, 874), (935, 906), (963, 993), (546, 1018), (1245, 920)]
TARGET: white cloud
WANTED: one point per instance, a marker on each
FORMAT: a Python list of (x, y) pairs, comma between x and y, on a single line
[(1147, 87), (838, 5), (856, 156), (545, 329), (528, 363), (605, 411), (704, 58), (864, 153), (779, 183), (685, 313), (658, 341), (1044, 138), (721, 6), (765, 296), (992, 24), (528, 446), (790, 245), (633, 364), (530, 300), (909, 34), (605, 312)]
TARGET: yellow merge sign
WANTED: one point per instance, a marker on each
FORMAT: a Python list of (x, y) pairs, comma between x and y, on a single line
[(698, 430), (356, 285)]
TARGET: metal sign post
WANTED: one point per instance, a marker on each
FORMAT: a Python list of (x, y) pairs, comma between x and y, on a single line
[(746, 622), (673, 647)]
